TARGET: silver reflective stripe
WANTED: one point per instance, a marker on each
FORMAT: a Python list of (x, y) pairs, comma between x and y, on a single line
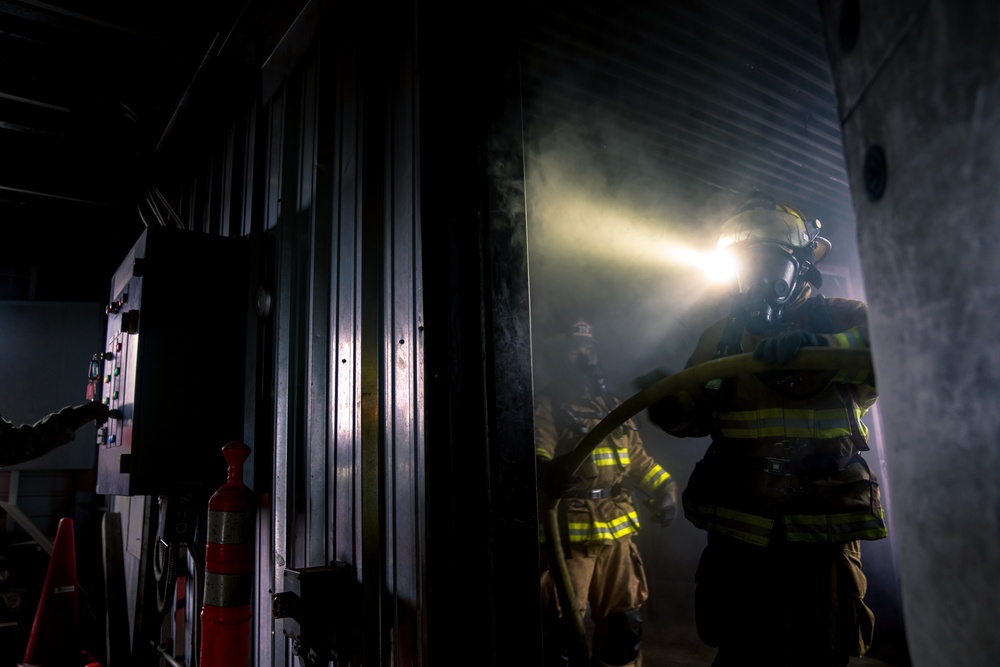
[(740, 525), (228, 590), (230, 527)]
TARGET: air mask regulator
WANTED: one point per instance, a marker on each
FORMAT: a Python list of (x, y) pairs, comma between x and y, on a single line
[(769, 277), (592, 373)]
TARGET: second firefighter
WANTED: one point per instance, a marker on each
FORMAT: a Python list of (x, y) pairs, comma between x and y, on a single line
[(598, 518)]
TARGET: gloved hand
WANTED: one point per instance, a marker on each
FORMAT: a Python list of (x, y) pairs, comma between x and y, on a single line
[(666, 412), (554, 480), (779, 350), (664, 505), (84, 413), (652, 377), (95, 411)]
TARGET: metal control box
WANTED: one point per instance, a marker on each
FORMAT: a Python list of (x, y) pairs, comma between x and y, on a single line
[(172, 371)]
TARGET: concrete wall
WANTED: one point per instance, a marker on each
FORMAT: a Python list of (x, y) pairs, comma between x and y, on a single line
[(918, 86)]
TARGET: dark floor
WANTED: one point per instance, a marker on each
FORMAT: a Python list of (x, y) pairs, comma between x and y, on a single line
[(671, 640), (682, 648)]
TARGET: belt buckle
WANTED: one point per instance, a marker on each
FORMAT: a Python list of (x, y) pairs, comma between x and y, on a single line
[(596, 494), (776, 466)]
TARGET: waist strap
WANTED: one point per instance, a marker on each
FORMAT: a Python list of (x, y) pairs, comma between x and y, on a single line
[(594, 494), (822, 464), (785, 457)]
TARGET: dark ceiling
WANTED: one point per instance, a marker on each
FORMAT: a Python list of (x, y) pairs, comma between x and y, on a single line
[(723, 96), (89, 96)]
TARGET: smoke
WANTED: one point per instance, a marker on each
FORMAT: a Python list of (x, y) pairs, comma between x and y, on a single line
[(608, 233)]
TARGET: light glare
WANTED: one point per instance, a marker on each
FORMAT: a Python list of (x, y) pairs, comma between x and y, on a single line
[(718, 267)]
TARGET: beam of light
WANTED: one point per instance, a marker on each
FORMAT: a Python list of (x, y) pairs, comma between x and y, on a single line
[(617, 240), (568, 223), (718, 267)]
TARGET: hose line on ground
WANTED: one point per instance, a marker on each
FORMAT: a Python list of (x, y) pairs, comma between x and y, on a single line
[(689, 379)]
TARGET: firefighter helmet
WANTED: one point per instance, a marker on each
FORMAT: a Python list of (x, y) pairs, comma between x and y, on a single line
[(764, 220), (776, 250), (582, 358), (581, 333)]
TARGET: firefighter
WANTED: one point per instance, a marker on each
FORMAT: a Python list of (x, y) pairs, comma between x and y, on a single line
[(20, 443), (783, 490), (597, 512)]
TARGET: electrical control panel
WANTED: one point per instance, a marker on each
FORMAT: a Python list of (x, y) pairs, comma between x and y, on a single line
[(172, 371)]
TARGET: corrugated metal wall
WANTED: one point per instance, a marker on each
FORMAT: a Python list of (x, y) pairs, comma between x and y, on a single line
[(340, 199), (322, 176), (323, 172)]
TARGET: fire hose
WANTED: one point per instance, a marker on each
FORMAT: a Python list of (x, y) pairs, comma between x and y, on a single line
[(689, 379)]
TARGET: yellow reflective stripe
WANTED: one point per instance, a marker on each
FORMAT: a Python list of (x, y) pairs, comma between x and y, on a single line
[(626, 524), (610, 456), (835, 528), (739, 525), (543, 454), (654, 479), (776, 422), (851, 338)]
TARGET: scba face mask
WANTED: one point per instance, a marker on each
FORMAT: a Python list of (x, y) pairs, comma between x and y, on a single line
[(768, 276), (588, 368)]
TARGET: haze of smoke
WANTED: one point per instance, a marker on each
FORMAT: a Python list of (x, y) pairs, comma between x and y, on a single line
[(598, 222)]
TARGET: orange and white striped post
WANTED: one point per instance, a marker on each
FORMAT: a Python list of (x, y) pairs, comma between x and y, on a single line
[(229, 559)]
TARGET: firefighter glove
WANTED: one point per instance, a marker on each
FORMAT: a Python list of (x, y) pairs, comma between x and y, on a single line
[(554, 480), (667, 412), (779, 350), (652, 377), (93, 411), (664, 505)]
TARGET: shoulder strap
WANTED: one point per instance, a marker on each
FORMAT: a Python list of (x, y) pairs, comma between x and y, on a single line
[(820, 320)]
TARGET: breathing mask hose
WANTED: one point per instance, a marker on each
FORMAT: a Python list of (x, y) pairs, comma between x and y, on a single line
[(732, 336), (690, 379)]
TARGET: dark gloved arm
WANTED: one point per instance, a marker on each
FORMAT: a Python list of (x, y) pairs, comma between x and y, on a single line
[(667, 412), (30, 441), (678, 414), (782, 348)]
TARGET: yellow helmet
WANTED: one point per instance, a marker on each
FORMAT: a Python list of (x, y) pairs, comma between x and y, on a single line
[(764, 220)]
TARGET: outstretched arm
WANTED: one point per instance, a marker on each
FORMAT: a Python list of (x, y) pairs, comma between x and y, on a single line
[(30, 441)]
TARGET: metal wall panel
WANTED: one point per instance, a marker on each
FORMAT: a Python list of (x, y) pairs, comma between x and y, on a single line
[(328, 168), (340, 465), (404, 483)]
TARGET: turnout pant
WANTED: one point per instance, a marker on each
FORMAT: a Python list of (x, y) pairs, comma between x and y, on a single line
[(611, 578)]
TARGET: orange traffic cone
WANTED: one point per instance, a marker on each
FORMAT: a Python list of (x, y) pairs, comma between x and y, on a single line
[(55, 634)]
